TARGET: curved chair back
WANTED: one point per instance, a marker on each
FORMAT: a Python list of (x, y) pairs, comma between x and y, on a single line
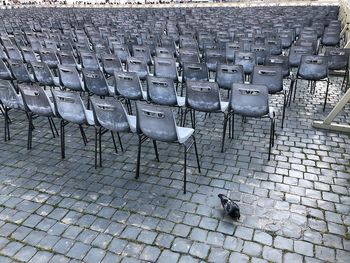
[(249, 100), (247, 60), (19, 71), (95, 82), (5, 73), (313, 67), (269, 76), (203, 96), (127, 85), (156, 122), (226, 75), (195, 71), (8, 95), (338, 59), (296, 52), (161, 91), (110, 114), (69, 106), (69, 77), (137, 65), (165, 67), (111, 63)]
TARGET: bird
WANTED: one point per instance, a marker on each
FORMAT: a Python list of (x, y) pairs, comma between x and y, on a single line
[(230, 207)]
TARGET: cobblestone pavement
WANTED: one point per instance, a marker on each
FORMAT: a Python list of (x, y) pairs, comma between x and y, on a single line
[(294, 208)]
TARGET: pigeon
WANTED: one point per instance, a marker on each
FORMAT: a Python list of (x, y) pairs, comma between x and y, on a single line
[(230, 207)]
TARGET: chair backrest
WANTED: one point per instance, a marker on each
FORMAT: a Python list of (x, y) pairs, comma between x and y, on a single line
[(195, 71), (19, 71), (213, 56), (35, 100), (110, 63), (5, 73), (128, 85), (142, 51), (137, 65), (95, 82), (231, 49), (110, 114), (69, 77), (282, 61), (249, 100), (161, 91), (156, 122), (296, 52), (49, 56), (338, 58), (188, 55), (226, 75), (275, 45), (203, 96), (313, 67), (42, 73), (261, 52), (8, 95), (246, 59), (122, 51), (89, 60), (164, 52), (269, 76), (69, 106), (28, 54), (67, 58), (13, 53), (165, 67)]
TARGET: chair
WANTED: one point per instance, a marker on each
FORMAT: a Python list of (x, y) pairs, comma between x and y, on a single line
[(226, 75), (13, 53), (128, 86), (313, 68), (9, 99), (36, 102), (213, 57), (49, 56), (272, 78), (95, 82), (296, 52), (5, 73), (166, 68), (122, 51), (43, 74), (67, 58), (137, 65), (261, 52), (158, 124), (20, 72), (89, 61), (203, 96), (230, 51), (69, 78), (338, 60), (109, 115), (70, 108), (247, 60), (28, 55), (110, 63), (188, 55), (162, 91), (164, 52), (250, 100), (143, 52)]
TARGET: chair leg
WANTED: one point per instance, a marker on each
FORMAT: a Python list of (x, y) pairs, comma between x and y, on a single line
[(196, 151), (184, 117), (271, 138), (120, 142), (138, 158), (284, 108), (295, 88), (115, 145), (193, 118), (96, 146), (54, 126), (83, 135), (7, 123), (63, 154), (100, 145), (224, 132), (155, 149), (30, 130), (51, 127), (290, 93), (325, 99), (185, 168)]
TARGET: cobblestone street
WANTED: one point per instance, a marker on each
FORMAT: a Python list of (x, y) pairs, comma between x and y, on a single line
[(294, 208)]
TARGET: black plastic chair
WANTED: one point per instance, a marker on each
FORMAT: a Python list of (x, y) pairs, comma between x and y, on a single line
[(338, 60), (66, 58), (230, 51), (109, 115), (28, 55), (226, 75), (70, 108), (162, 91), (164, 52), (89, 61), (69, 78), (313, 69), (272, 78), (9, 99), (95, 82), (247, 60), (250, 100), (137, 65), (5, 72), (213, 57), (158, 124), (111, 63), (20, 72), (166, 68), (43, 74), (144, 52), (13, 53), (36, 102), (49, 56), (122, 51)]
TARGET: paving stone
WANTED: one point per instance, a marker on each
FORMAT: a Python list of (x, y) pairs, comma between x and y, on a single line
[(150, 254), (263, 238), (168, 256), (271, 254), (238, 257), (252, 249), (199, 250), (11, 249), (181, 245), (324, 253), (78, 250), (244, 233), (218, 255), (41, 257), (304, 248), (292, 257), (94, 255)]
